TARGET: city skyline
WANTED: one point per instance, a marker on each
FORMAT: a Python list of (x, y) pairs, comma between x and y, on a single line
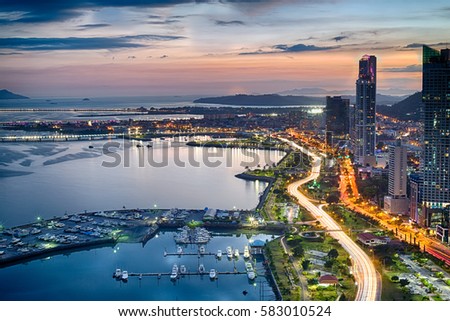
[(102, 48)]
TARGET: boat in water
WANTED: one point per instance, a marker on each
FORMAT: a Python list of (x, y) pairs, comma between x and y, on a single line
[(183, 269), (236, 253), (118, 273), (179, 250), (219, 254), (125, 276), (202, 250), (201, 269), (246, 252), (212, 274), (229, 252), (250, 271), (174, 274)]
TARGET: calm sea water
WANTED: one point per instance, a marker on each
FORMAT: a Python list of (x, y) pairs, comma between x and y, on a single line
[(48, 179)]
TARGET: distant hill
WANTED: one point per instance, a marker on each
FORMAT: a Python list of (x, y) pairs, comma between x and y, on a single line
[(281, 100), (382, 99), (6, 94), (407, 109), (262, 100)]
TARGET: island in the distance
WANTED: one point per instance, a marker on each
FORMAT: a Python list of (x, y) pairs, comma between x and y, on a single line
[(262, 100), (6, 94)]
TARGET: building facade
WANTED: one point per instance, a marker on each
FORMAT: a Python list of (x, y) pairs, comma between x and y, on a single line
[(415, 198), (337, 119), (436, 141), (396, 201), (365, 112)]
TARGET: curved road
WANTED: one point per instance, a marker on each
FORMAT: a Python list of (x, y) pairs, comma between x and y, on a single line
[(369, 285)]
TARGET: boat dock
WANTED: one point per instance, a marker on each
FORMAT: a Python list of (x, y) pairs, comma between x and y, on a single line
[(182, 274)]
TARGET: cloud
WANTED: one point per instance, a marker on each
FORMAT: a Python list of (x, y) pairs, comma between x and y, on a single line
[(61, 10), (9, 53), (410, 68), (419, 45), (74, 43), (229, 23), (339, 38), (163, 22), (286, 48), (93, 26)]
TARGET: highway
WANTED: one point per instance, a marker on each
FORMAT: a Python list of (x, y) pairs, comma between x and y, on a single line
[(366, 276)]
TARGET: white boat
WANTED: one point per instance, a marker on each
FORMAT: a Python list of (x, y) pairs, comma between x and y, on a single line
[(219, 254), (174, 274), (118, 273), (183, 269), (246, 252), (202, 249), (179, 250), (229, 252), (236, 253), (125, 275), (250, 272), (201, 269), (212, 274)]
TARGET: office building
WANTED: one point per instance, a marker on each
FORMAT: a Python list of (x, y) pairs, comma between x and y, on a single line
[(337, 116)]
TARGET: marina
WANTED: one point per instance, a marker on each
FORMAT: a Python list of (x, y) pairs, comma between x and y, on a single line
[(96, 228)]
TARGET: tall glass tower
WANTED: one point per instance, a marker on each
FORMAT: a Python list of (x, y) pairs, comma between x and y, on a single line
[(365, 112), (436, 139)]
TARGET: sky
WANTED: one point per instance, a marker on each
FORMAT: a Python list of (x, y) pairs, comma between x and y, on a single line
[(98, 48)]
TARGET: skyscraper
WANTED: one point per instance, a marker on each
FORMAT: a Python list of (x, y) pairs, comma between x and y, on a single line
[(337, 115), (396, 201), (436, 140), (365, 111)]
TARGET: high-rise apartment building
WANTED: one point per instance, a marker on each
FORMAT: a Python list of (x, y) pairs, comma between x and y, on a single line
[(365, 111), (436, 141), (396, 201)]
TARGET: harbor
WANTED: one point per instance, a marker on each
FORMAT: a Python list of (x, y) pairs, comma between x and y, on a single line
[(70, 232)]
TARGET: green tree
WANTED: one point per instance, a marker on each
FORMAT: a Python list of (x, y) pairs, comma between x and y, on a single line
[(305, 264), (404, 282), (299, 251), (333, 254)]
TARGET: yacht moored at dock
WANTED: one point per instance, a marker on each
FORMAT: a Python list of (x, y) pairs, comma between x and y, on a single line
[(201, 269), (229, 252), (246, 252), (250, 271), (212, 274), (219, 254)]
